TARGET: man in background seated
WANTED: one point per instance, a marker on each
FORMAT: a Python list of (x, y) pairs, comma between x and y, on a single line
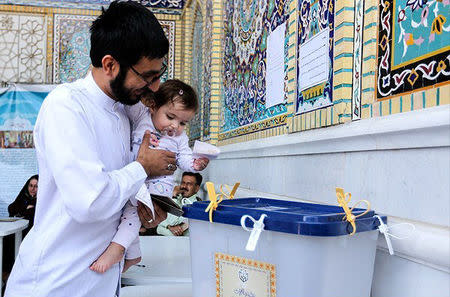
[(184, 194)]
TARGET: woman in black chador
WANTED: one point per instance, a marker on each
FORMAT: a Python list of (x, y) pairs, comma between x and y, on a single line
[(25, 203), (24, 207)]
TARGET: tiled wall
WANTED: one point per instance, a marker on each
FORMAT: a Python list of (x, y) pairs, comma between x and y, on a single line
[(201, 61), (41, 45), (48, 41), (161, 6), (360, 31)]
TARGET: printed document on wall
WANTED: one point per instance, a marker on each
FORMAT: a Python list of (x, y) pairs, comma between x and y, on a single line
[(275, 67), (314, 65)]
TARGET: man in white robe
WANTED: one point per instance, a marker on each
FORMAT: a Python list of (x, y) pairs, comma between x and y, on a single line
[(82, 140)]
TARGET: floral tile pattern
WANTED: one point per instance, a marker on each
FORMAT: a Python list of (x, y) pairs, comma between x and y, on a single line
[(247, 25), (413, 45), (22, 48)]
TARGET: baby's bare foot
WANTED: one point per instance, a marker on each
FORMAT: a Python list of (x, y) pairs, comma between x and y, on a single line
[(112, 255), (130, 262)]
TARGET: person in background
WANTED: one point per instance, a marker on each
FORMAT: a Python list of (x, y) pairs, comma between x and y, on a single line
[(22, 207), (184, 194), (24, 204)]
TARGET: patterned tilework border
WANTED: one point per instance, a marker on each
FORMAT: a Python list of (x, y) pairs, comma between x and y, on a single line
[(188, 33), (357, 59), (171, 37), (178, 45), (435, 96), (254, 136), (292, 65), (343, 58), (216, 70), (259, 126), (87, 6), (369, 62)]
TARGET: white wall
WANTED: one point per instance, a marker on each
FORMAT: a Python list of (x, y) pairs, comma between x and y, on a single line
[(400, 163)]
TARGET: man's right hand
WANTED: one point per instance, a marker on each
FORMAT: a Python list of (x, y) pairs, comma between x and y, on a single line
[(155, 162)]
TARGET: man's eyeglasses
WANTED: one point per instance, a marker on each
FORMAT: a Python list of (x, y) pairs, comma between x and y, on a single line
[(153, 78)]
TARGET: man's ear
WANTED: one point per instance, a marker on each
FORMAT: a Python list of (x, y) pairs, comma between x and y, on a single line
[(197, 188), (110, 66)]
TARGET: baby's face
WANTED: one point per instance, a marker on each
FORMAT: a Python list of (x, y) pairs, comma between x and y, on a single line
[(171, 118)]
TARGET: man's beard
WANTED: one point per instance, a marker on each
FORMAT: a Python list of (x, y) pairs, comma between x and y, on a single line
[(122, 94)]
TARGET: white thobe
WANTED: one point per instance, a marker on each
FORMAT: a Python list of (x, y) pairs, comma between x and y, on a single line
[(82, 140)]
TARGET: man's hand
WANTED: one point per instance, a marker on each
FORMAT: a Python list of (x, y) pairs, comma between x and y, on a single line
[(176, 230), (177, 191), (155, 162), (146, 217)]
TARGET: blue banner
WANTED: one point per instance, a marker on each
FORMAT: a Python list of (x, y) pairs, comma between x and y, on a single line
[(19, 107)]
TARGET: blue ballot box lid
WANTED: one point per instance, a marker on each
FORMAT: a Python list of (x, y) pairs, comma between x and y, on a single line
[(286, 216)]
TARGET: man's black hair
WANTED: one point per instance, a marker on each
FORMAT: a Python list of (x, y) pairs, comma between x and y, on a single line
[(127, 31), (198, 177)]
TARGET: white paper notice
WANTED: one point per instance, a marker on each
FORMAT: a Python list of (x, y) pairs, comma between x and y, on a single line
[(275, 67), (205, 150), (313, 63)]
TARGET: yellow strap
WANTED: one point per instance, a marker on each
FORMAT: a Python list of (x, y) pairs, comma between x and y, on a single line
[(232, 192), (215, 198), (343, 200)]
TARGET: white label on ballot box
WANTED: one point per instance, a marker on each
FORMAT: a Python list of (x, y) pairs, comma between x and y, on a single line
[(236, 277)]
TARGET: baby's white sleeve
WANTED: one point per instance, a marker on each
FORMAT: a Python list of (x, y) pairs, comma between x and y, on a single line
[(140, 120), (185, 158)]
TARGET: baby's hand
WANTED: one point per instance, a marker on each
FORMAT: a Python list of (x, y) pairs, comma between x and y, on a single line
[(154, 140), (201, 163)]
